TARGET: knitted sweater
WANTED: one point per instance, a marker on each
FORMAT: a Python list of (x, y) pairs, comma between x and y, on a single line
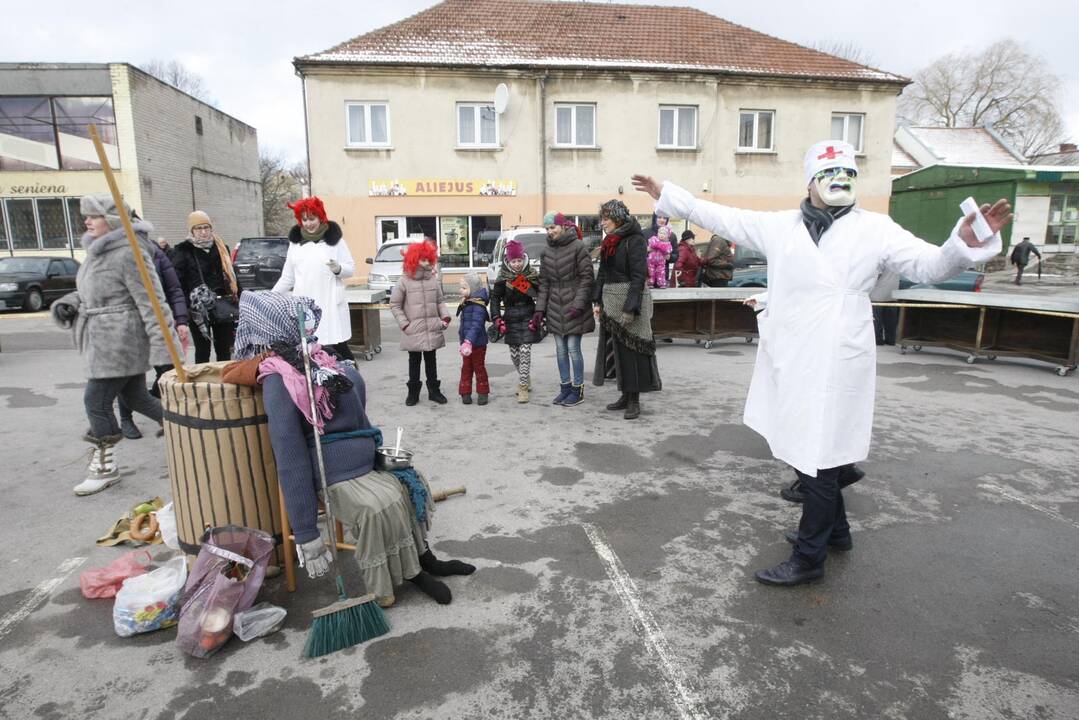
[(294, 449)]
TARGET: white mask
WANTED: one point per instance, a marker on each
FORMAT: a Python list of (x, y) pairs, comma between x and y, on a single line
[(836, 186)]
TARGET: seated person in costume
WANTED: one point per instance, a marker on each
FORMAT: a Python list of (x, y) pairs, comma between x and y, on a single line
[(388, 519)]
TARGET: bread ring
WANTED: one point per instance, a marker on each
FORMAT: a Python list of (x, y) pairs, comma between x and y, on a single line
[(137, 533)]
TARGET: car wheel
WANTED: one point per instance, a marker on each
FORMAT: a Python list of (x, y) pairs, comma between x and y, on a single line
[(34, 301)]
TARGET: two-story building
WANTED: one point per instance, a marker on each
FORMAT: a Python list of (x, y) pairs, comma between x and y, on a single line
[(171, 153), (478, 115)]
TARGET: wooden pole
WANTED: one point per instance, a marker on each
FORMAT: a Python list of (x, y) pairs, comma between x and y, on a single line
[(144, 274)]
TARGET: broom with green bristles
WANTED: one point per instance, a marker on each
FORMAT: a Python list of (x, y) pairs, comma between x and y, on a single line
[(346, 622)]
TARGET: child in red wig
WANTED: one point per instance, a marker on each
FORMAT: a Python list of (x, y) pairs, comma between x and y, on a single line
[(419, 307)]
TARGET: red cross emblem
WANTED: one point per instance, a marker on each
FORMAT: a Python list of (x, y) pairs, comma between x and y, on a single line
[(830, 154)]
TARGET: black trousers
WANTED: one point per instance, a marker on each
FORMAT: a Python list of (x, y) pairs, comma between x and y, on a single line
[(1019, 268), (885, 323), (224, 334), (429, 364), (824, 516), (159, 370), (100, 394)]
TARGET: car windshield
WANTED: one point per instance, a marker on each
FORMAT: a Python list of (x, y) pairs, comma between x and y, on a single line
[(748, 256), (533, 242), (391, 253), (23, 265), (261, 247)]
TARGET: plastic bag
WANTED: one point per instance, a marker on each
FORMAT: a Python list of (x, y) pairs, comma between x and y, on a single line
[(105, 582), (151, 601), (166, 525), (261, 620), (227, 576)]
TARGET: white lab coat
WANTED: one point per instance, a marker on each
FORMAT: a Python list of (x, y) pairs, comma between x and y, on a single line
[(305, 273), (814, 380)]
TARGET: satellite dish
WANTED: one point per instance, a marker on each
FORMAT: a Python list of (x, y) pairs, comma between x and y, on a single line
[(502, 98)]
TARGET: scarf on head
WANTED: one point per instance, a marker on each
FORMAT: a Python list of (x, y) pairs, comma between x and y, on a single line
[(267, 317), (327, 379), (315, 236), (509, 274), (610, 243), (817, 220)]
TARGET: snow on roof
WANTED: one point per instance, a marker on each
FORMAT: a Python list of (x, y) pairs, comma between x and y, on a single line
[(518, 33), (901, 158), (968, 146)]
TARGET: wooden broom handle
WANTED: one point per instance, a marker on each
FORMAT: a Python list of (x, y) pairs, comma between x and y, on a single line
[(144, 274), (441, 495)]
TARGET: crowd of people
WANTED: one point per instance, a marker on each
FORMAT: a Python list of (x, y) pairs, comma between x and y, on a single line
[(811, 394)]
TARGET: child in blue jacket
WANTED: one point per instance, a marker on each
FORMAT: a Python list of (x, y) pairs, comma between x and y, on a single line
[(473, 335)]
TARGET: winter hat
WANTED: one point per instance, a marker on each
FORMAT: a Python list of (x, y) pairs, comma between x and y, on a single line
[(311, 206), (514, 250), (102, 204), (198, 218), (664, 232), (688, 235), (616, 210), (549, 219), (828, 154), (474, 283)]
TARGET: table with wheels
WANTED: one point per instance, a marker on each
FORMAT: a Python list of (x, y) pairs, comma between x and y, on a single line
[(364, 306), (990, 325), (703, 314)]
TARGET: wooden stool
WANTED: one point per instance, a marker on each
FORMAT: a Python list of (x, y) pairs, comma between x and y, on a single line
[(288, 543)]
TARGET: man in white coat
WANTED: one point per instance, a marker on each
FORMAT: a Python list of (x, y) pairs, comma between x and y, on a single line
[(813, 385)]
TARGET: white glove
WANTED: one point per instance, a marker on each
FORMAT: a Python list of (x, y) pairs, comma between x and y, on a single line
[(334, 267), (315, 556)]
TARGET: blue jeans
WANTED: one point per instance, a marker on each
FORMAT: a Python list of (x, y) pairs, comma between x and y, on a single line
[(568, 351)]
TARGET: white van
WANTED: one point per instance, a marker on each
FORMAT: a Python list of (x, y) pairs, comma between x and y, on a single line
[(534, 239)]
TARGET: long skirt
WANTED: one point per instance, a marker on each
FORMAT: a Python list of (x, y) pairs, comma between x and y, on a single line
[(626, 353), (376, 510)]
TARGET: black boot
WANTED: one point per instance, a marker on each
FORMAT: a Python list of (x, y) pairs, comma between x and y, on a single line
[(413, 392), (444, 568), (849, 475), (432, 588), (620, 403), (434, 394), (633, 407)]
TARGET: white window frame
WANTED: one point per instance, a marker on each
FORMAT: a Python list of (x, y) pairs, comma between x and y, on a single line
[(858, 146), (476, 108), (366, 105), (678, 110), (756, 131), (573, 106)]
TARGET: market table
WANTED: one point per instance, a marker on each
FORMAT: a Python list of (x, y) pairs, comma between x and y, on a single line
[(364, 305), (703, 314), (990, 325)]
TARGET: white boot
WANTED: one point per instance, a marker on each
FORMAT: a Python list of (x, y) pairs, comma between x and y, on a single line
[(102, 471)]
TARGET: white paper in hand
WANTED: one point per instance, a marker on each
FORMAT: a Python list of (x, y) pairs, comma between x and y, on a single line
[(981, 228)]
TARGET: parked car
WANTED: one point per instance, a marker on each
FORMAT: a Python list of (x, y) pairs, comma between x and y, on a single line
[(533, 238), (386, 265), (968, 280), (32, 283), (258, 261)]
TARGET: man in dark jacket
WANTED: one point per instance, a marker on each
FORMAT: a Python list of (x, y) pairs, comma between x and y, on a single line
[(1021, 256)]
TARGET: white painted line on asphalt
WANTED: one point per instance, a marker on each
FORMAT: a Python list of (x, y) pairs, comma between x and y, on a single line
[(1022, 501), (687, 702), (38, 595)]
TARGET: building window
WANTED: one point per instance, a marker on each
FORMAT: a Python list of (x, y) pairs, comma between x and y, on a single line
[(368, 124), (678, 126), (477, 125), (575, 125), (848, 128), (39, 223), (485, 231), (3, 227), (198, 125), (53, 223), (755, 130), (1063, 221), (43, 133)]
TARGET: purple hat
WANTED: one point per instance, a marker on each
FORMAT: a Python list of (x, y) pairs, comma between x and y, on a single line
[(514, 250)]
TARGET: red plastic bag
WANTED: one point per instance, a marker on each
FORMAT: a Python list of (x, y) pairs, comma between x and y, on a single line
[(105, 582)]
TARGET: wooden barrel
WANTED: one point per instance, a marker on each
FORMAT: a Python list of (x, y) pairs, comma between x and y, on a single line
[(221, 464)]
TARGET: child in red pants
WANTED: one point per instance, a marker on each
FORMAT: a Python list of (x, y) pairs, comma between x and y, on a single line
[(473, 335)]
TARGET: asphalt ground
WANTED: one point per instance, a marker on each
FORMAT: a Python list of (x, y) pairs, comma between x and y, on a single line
[(615, 558)]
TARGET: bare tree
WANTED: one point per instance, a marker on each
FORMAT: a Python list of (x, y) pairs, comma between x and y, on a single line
[(176, 74), (1004, 87), (281, 184), (846, 49)]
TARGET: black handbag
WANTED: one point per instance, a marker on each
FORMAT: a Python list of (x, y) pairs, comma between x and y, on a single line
[(224, 309)]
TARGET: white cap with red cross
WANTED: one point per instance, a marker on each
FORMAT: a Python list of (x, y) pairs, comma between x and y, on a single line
[(828, 154)]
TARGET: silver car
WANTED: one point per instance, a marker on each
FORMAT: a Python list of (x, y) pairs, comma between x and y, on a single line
[(386, 265)]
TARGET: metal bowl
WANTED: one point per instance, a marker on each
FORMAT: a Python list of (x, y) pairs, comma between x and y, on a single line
[(385, 459)]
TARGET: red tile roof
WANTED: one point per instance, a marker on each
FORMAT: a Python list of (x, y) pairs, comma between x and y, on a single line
[(538, 33)]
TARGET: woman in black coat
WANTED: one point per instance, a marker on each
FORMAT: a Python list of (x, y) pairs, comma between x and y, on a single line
[(623, 306), (203, 259)]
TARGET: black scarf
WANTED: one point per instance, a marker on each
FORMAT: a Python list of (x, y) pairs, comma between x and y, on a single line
[(817, 221)]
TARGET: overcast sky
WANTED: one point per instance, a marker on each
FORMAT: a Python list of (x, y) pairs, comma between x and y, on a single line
[(244, 49)]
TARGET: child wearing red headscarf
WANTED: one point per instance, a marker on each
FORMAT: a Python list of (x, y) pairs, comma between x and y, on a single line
[(419, 307)]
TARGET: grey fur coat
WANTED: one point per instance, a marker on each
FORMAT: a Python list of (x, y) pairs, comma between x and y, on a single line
[(110, 314)]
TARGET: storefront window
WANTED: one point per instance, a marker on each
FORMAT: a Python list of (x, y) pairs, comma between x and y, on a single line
[(421, 227), (28, 121), (78, 223), (1063, 220), (74, 115), (3, 228), (23, 229), (42, 133), (50, 212), (485, 232), (453, 238)]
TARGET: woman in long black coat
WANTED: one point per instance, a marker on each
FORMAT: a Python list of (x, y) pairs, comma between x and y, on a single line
[(623, 306)]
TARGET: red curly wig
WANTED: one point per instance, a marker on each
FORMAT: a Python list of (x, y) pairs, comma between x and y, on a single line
[(311, 206), (418, 251)]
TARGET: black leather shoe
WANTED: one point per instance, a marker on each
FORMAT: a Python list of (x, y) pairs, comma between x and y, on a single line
[(620, 403), (789, 572), (843, 545), (849, 475), (793, 493), (633, 410)]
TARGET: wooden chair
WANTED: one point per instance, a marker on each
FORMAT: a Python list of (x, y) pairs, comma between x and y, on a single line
[(288, 543)]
